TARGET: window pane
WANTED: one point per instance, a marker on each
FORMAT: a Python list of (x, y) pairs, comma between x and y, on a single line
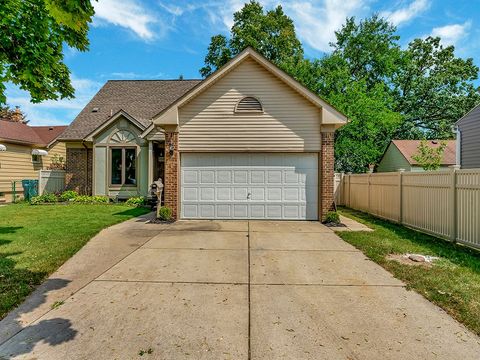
[(130, 175), (116, 167)]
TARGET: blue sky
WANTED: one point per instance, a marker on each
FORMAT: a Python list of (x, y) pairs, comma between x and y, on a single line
[(161, 39)]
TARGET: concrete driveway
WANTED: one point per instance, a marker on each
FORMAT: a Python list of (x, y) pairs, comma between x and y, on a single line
[(228, 290)]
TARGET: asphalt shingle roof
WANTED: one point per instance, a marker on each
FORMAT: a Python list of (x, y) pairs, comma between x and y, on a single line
[(142, 99), (410, 147), (23, 133)]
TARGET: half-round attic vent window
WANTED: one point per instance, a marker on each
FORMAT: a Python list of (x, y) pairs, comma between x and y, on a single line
[(249, 104)]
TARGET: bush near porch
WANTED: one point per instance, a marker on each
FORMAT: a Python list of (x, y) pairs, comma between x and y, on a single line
[(36, 240), (453, 282)]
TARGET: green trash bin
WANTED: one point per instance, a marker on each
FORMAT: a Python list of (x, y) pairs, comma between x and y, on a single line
[(30, 189)]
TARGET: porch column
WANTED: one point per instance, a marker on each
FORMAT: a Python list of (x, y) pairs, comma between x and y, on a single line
[(171, 170), (150, 163), (327, 172)]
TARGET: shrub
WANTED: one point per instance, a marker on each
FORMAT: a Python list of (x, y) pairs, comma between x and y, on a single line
[(136, 201), (332, 217), (43, 199), (164, 213), (68, 195), (85, 199)]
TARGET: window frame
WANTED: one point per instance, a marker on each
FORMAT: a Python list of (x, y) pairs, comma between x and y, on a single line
[(36, 159), (122, 174)]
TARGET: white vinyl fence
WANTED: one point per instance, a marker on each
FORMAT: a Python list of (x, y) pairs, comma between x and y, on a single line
[(442, 203), (51, 181)]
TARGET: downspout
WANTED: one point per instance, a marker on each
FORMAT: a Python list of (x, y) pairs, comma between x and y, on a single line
[(458, 146), (86, 148)]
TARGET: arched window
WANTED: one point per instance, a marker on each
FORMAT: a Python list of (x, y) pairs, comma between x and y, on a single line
[(249, 104), (122, 137)]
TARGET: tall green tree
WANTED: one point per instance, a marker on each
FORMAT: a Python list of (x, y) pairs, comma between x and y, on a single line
[(433, 88), (32, 37), (386, 91), (355, 77), (421, 91), (272, 33)]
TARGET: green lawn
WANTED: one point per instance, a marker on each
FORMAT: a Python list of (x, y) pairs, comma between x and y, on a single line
[(453, 283), (36, 240)]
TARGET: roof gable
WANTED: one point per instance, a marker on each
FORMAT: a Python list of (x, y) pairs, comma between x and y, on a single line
[(330, 115), (409, 148), (141, 99)]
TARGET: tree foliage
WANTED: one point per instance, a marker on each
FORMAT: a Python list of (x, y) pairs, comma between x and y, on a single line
[(14, 115), (32, 37), (433, 88), (272, 33), (429, 157), (386, 91)]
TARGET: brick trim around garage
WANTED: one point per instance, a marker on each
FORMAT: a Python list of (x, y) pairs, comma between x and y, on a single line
[(171, 187), (327, 174)]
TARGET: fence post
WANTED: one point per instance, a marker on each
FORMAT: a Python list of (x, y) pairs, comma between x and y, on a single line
[(40, 185), (349, 187), (368, 193), (400, 195), (453, 199)]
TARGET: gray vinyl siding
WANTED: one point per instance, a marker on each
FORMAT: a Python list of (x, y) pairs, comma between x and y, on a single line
[(289, 122), (393, 160), (470, 139)]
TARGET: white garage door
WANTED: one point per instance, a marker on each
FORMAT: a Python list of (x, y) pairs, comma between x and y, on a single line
[(249, 186)]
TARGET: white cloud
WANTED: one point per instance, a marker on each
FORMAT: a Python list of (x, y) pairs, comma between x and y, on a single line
[(316, 23), (403, 15), (53, 112), (128, 14), (315, 20), (451, 34)]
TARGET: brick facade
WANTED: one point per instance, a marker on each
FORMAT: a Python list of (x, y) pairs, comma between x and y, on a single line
[(78, 170), (171, 187), (327, 159)]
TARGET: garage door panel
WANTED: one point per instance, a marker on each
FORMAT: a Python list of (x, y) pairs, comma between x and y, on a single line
[(190, 211), (257, 211), (240, 211), (190, 194), (207, 194), (291, 211), (240, 193), (207, 211), (224, 176), (255, 186), (224, 211), (190, 176), (240, 177), (207, 177), (224, 194), (274, 176)]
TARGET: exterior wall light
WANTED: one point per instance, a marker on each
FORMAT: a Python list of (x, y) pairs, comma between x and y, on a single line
[(171, 148)]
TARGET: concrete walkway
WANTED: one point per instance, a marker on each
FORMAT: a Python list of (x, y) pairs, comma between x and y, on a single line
[(228, 290)]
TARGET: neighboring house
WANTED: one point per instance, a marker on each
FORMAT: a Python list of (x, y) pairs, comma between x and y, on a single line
[(399, 155), (24, 150), (247, 142), (468, 137)]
